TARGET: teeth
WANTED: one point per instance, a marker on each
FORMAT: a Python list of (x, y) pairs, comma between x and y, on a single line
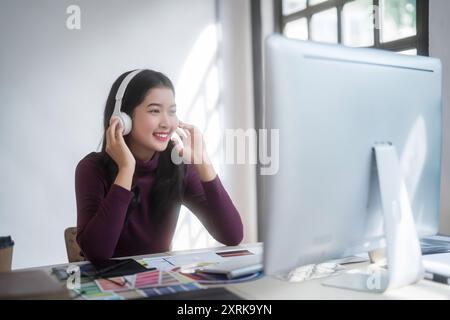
[(161, 135)]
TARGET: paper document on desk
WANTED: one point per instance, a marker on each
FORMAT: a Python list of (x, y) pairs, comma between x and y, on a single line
[(161, 263), (193, 258)]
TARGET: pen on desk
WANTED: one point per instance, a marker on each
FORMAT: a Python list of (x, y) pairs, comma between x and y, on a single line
[(151, 269), (120, 284), (127, 281)]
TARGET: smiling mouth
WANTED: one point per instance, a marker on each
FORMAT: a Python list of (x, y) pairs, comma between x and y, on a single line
[(161, 136)]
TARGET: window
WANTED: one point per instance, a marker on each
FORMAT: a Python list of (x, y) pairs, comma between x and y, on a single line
[(397, 25)]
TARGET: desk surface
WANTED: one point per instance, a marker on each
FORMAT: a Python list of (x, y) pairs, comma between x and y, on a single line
[(269, 287)]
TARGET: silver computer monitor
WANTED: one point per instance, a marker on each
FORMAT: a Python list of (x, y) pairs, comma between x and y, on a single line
[(331, 104)]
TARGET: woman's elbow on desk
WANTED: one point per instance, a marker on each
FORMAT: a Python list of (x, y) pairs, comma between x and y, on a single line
[(94, 252), (234, 236), (93, 255)]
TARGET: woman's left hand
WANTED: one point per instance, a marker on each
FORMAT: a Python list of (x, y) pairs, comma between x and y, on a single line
[(193, 150)]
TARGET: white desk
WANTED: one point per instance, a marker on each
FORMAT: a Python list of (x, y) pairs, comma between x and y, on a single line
[(273, 288)]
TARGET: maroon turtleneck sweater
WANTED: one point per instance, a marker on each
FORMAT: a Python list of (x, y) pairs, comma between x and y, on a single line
[(105, 229)]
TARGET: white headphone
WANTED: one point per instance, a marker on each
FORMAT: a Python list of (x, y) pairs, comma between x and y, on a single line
[(123, 117)]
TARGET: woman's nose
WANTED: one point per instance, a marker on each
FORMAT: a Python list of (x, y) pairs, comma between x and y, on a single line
[(164, 121)]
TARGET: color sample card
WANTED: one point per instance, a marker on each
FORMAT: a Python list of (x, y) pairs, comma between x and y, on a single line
[(157, 279), (154, 278), (146, 284), (113, 284), (181, 277), (89, 288), (149, 292), (146, 279), (131, 294), (90, 291), (234, 253), (168, 279)]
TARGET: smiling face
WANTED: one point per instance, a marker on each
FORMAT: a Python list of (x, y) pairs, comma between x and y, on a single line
[(154, 120)]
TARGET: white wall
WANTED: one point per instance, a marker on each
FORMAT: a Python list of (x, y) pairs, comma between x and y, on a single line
[(53, 86), (440, 47)]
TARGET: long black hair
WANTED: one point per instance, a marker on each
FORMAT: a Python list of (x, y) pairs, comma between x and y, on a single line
[(167, 189)]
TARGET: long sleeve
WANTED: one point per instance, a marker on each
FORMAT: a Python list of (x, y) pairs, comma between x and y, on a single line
[(210, 202), (100, 212)]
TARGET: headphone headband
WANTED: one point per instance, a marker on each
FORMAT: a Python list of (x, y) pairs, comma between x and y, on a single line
[(121, 90)]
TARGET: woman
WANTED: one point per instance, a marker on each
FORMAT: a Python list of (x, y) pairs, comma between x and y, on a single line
[(129, 194)]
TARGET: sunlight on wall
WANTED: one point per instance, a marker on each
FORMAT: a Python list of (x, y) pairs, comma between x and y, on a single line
[(198, 98)]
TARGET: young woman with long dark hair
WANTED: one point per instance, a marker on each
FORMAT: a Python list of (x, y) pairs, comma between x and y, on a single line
[(129, 194)]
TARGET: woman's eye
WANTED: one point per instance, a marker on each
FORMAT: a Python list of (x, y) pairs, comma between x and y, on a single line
[(154, 111)]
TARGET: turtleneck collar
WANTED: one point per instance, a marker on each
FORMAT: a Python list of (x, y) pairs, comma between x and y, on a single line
[(147, 166)]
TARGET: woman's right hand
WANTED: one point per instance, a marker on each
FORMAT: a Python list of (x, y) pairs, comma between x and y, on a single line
[(117, 148)]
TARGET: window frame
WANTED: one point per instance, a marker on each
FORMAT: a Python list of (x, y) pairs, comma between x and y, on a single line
[(419, 41)]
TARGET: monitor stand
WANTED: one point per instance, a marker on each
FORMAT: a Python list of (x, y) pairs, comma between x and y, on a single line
[(402, 255)]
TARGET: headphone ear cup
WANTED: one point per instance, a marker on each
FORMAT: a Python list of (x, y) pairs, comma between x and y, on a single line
[(126, 123)]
